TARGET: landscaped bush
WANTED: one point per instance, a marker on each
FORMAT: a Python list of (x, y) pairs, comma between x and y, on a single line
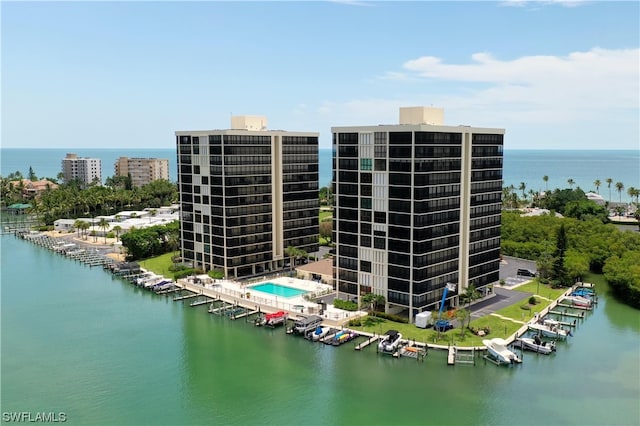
[(394, 318), (525, 307), (533, 301), (346, 305)]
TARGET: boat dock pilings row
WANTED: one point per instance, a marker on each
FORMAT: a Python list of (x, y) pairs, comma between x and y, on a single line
[(90, 257)]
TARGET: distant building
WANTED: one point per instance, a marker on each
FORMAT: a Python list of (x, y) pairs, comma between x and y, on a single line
[(33, 189), (85, 170), (417, 206), (142, 170), (246, 195)]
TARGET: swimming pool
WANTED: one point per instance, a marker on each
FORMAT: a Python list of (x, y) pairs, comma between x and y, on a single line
[(278, 290)]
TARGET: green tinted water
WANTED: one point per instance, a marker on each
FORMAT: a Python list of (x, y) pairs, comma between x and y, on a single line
[(104, 352)]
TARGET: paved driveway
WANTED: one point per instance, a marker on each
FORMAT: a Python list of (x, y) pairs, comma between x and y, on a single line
[(503, 298)]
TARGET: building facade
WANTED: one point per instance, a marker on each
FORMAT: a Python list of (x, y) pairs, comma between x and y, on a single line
[(417, 206), (142, 170), (85, 170), (247, 196)]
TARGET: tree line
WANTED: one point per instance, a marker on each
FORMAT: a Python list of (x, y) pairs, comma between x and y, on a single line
[(566, 249)]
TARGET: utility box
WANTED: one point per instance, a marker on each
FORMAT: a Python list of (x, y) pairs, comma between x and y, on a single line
[(423, 319)]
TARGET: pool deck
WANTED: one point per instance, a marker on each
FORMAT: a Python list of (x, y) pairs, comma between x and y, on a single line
[(241, 294)]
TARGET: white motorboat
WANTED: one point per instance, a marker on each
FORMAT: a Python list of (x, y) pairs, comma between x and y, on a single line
[(498, 349), (390, 341), (319, 333), (578, 301), (553, 331), (535, 344)]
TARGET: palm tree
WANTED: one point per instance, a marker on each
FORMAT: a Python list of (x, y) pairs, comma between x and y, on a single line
[(78, 226), (619, 188), (104, 225), (633, 192), (117, 230), (545, 178), (462, 315), (571, 182), (522, 188), (84, 225), (609, 182), (597, 184)]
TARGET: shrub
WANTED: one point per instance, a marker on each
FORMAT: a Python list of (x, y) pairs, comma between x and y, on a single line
[(394, 318), (533, 301), (346, 305), (525, 307)]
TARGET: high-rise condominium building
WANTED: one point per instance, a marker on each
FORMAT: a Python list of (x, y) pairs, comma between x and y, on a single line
[(85, 170), (247, 195), (142, 170), (417, 206)]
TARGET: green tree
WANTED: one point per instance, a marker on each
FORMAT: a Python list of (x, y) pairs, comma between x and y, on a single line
[(609, 182), (117, 229), (597, 184), (545, 178), (571, 182), (32, 176), (373, 301), (104, 225), (619, 188), (559, 272), (523, 187), (326, 230), (462, 315)]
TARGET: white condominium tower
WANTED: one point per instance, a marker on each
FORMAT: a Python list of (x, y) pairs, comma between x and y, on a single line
[(85, 170), (417, 206)]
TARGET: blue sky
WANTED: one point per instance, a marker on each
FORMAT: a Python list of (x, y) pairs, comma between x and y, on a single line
[(554, 74)]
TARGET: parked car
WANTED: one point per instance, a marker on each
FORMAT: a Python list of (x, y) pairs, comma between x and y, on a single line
[(525, 273)]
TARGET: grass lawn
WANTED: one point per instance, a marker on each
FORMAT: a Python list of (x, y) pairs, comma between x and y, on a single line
[(326, 215), (429, 335), (159, 264)]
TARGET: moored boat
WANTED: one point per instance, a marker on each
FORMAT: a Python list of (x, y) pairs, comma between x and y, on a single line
[(553, 331), (390, 342), (578, 301), (320, 333), (498, 349), (535, 344)]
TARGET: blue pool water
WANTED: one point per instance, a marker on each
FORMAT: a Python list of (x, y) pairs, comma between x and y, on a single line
[(278, 290)]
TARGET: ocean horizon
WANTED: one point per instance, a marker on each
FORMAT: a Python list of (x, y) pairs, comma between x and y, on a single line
[(584, 167)]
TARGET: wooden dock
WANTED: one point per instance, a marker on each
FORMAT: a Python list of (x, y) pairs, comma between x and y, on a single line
[(245, 314), (367, 342), (201, 302), (188, 296), (568, 314), (584, 308), (451, 357)]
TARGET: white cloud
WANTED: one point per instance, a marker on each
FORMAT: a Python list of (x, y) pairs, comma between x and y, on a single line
[(595, 80)]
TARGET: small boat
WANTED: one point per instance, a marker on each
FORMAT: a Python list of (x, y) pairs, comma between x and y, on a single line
[(320, 333), (535, 344), (583, 292), (275, 319), (578, 301), (498, 349), (390, 342), (553, 331)]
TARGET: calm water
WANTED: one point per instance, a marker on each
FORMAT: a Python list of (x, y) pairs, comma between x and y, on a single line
[(528, 166), (104, 352)]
